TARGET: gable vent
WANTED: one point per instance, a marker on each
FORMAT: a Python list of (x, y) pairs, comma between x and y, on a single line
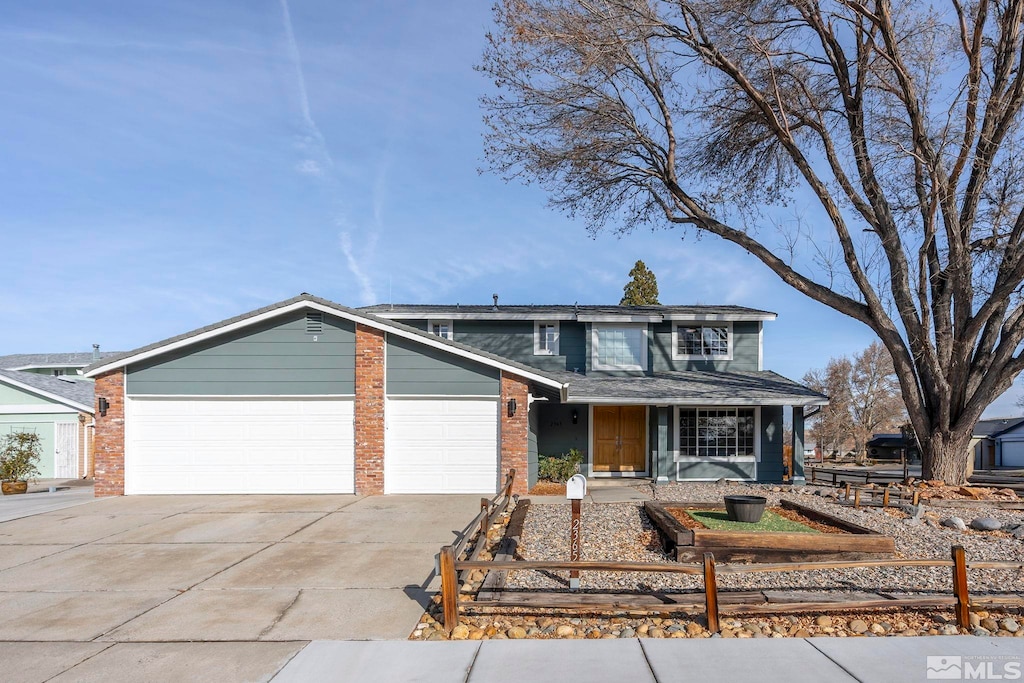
[(314, 322)]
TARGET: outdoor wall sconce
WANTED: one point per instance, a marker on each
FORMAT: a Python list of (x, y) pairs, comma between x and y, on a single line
[(103, 404), (575, 416), (511, 407)]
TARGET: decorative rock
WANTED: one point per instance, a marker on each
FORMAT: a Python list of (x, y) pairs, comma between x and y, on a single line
[(693, 628), (949, 630), (1009, 624), (460, 632), (802, 633), (594, 634), (477, 634), (627, 633), (876, 629), (981, 633), (954, 523), (516, 633), (1018, 533), (986, 524), (564, 631), (823, 620), (989, 624), (858, 626), (974, 619), (655, 633)]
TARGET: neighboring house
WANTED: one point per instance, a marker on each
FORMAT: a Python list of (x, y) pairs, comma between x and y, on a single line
[(890, 447), (67, 365), (58, 410), (310, 396), (47, 393), (998, 442)]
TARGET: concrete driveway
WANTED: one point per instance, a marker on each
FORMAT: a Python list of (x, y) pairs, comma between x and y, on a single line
[(127, 582)]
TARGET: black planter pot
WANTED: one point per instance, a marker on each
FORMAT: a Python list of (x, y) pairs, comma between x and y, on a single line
[(745, 508)]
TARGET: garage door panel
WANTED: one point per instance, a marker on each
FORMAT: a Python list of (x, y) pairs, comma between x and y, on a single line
[(1013, 453), (240, 446), (441, 446)]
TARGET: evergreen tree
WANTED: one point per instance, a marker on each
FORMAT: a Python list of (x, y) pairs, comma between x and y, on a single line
[(642, 290)]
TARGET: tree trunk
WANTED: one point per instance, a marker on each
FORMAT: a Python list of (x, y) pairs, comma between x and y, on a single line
[(944, 456)]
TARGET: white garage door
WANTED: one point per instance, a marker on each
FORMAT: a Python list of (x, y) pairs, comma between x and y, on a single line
[(441, 446), (1013, 453), (239, 446)]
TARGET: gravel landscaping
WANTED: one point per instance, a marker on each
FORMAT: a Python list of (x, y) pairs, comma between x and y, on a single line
[(622, 532)]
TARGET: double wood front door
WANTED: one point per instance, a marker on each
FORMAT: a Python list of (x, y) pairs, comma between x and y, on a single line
[(620, 442)]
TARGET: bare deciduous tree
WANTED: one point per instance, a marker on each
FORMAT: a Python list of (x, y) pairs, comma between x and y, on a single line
[(899, 123), (864, 399)]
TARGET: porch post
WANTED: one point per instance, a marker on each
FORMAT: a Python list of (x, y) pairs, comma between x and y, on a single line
[(663, 460), (798, 446)]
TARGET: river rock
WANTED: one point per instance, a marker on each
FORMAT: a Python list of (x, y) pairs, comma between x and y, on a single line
[(986, 524), (1009, 624), (460, 632), (858, 626), (954, 523), (516, 633), (564, 631), (989, 624), (823, 621)]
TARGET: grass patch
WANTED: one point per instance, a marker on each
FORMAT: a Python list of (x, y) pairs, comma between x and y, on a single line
[(718, 519)]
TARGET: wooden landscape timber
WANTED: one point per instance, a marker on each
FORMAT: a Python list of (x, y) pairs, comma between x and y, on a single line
[(689, 545)]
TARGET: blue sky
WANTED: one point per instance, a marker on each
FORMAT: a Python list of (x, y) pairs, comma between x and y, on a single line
[(169, 166)]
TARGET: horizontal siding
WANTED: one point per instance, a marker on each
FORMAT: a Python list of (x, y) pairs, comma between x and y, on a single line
[(770, 467), (11, 396), (274, 358), (715, 470), (514, 340), (417, 370), (556, 434), (744, 350)]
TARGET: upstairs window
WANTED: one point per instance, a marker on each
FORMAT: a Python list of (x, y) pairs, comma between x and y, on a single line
[(545, 339), (702, 342), (440, 328), (619, 347)]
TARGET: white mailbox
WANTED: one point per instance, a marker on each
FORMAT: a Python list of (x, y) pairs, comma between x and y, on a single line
[(576, 487)]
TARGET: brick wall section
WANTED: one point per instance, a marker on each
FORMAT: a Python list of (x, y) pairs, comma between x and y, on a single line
[(515, 431), (369, 411), (109, 439)]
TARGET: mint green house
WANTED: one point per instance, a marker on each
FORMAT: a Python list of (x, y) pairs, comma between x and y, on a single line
[(47, 394)]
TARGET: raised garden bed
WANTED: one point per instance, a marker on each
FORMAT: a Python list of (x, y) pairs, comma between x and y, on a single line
[(793, 533)]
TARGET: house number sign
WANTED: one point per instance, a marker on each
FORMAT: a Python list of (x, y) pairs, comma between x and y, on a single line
[(575, 489)]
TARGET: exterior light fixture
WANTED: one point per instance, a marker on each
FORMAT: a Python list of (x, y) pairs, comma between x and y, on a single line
[(511, 407), (103, 404)]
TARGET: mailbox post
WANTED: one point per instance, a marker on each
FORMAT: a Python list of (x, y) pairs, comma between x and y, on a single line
[(575, 489)]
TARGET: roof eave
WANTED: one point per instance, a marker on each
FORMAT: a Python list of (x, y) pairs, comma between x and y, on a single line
[(47, 395)]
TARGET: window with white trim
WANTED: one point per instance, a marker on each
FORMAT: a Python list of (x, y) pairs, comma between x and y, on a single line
[(545, 338), (619, 347), (702, 342), (717, 432), (440, 328)]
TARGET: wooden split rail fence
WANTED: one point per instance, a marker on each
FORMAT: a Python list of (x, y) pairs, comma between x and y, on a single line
[(490, 510), (960, 600)]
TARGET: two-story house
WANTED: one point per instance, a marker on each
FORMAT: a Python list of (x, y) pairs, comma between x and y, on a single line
[(310, 396)]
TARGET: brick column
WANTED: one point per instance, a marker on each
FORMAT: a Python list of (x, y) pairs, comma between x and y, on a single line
[(108, 444), (515, 431), (369, 409)]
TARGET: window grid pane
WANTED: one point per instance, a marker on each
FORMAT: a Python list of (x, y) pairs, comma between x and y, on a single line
[(703, 341), (619, 347), (724, 432)]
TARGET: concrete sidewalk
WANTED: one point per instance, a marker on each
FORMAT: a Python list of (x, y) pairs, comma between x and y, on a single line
[(789, 660), (28, 504)]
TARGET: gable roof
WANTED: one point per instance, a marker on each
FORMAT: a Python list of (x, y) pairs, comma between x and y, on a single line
[(78, 395), (18, 361), (993, 427), (309, 301), (583, 313)]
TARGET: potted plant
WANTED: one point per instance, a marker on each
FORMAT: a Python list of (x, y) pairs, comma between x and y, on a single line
[(19, 459), (745, 508)]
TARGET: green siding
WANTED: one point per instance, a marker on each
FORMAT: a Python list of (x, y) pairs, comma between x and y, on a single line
[(274, 358), (531, 446), (715, 470), (769, 470), (43, 426), (12, 396), (744, 350), (556, 432), (417, 370), (514, 340)]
